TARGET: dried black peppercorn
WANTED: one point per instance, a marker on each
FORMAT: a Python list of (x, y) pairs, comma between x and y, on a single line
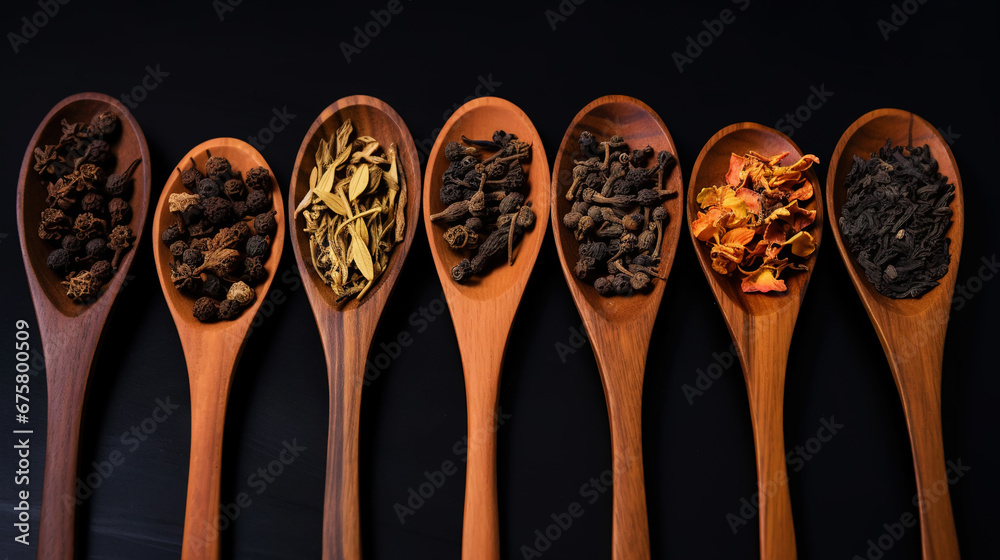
[(93, 202), (71, 244), (94, 249), (118, 184), (229, 309), (170, 235), (103, 125), (258, 245), (208, 188), (102, 271), (97, 152), (235, 189), (258, 201), (213, 287), (206, 309), (218, 168), (216, 209), (239, 210), (190, 177), (604, 286), (265, 224), (193, 258), (177, 248), (254, 271), (258, 178), (120, 211), (60, 261)]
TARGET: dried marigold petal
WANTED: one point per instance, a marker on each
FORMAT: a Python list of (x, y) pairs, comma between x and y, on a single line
[(763, 280), (708, 224)]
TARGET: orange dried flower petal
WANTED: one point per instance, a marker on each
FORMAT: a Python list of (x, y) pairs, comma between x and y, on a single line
[(763, 280)]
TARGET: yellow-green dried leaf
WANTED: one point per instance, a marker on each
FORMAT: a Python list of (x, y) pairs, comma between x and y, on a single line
[(359, 182)]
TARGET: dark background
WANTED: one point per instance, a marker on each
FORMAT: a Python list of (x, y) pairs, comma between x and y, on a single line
[(226, 76)]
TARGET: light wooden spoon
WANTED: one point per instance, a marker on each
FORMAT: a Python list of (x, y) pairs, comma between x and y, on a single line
[(761, 326), (70, 332), (912, 330), (211, 350), (619, 327), (483, 309), (347, 329)]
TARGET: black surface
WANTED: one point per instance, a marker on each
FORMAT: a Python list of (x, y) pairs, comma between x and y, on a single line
[(225, 79)]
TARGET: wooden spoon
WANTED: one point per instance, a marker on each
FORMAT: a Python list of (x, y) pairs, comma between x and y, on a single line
[(70, 332), (618, 327), (347, 329), (483, 309), (211, 350), (911, 330), (761, 326)]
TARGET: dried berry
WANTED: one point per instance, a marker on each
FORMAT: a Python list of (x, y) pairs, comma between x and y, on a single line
[(254, 271), (206, 309), (208, 188), (60, 261), (81, 286), (120, 211), (170, 235), (217, 210), (235, 189), (177, 248), (93, 202), (258, 178), (95, 249), (118, 184), (71, 244), (241, 293), (217, 168), (229, 309), (193, 258), (103, 125), (185, 278), (191, 177), (102, 271), (265, 224), (258, 245), (119, 241), (258, 201), (213, 287)]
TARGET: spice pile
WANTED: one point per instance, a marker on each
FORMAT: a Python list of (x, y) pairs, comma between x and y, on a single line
[(617, 214), (354, 211), (88, 211), (221, 237), (895, 219), (485, 201), (749, 221)]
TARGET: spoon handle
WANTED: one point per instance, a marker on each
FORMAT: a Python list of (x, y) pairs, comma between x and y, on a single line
[(764, 370), (66, 374), (345, 362), (622, 378), (918, 378), (210, 374), (481, 523)]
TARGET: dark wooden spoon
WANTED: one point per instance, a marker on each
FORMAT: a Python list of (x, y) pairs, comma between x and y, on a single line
[(761, 326), (483, 309), (347, 328), (619, 328), (912, 330), (211, 350), (70, 332)]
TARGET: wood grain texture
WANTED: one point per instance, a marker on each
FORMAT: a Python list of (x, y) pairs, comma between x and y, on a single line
[(483, 309), (619, 328), (911, 330), (70, 333), (347, 329), (211, 350), (761, 326)]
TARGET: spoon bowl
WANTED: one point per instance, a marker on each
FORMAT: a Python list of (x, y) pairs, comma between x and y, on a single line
[(211, 350), (347, 328), (761, 325), (70, 332), (619, 327), (911, 330), (483, 309)]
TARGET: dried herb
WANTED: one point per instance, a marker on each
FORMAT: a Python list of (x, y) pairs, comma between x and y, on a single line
[(218, 252), (354, 211), (78, 190), (484, 193), (754, 222), (617, 215), (896, 218)]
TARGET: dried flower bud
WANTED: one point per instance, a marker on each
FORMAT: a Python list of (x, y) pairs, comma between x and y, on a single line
[(241, 293), (185, 278), (118, 184), (206, 309), (97, 152), (81, 286), (474, 224), (88, 226), (191, 177), (459, 237), (170, 235), (258, 178), (94, 249), (253, 271), (119, 241), (604, 285), (622, 284), (572, 219), (54, 223), (177, 248), (221, 262), (103, 125), (213, 287), (201, 244), (660, 214), (633, 222)]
